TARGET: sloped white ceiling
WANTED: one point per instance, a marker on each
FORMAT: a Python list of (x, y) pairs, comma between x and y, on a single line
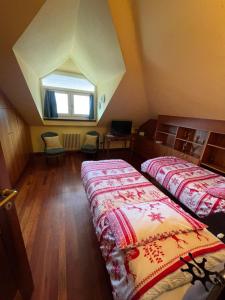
[(72, 33), (15, 17), (70, 30), (48, 40), (183, 51), (129, 100), (96, 48), (69, 66)]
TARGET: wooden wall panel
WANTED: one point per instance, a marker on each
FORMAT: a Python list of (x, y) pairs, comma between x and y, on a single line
[(4, 175), (144, 147), (205, 140), (14, 138)]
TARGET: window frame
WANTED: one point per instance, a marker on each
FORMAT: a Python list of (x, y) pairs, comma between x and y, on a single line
[(72, 104), (70, 93)]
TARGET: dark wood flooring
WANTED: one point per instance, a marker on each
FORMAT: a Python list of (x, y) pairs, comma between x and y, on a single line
[(54, 214), (56, 223)]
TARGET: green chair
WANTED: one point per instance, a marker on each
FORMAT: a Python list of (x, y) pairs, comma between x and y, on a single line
[(52, 152), (91, 148)]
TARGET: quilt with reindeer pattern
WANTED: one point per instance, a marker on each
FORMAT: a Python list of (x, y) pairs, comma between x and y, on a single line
[(188, 183), (142, 233)]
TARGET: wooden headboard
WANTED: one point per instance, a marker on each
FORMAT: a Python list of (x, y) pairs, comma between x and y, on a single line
[(200, 141)]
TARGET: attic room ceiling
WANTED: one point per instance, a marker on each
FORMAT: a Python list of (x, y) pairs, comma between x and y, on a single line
[(98, 57), (130, 99), (80, 33), (14, 19), (170, 69), (183, 52), (69, 66)]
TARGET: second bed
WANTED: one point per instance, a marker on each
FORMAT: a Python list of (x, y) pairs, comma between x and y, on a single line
[(201, 190)]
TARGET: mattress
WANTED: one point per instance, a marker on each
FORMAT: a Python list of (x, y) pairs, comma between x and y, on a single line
[(145, 271), (187, 182)]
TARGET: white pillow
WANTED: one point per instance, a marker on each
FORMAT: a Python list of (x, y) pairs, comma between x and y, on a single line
[(90, 140), (52, 142)]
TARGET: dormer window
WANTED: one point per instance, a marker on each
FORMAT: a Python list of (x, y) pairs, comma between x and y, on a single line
[(68, 96)]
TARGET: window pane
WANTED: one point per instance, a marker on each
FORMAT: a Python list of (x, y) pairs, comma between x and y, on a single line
[(81, 104), (68, 82), (62, 103)]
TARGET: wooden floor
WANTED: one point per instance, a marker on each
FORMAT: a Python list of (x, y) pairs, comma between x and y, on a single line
[(55, 219), (57, 228)]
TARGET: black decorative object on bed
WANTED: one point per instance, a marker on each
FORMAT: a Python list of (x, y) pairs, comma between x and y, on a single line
[(213, 282)]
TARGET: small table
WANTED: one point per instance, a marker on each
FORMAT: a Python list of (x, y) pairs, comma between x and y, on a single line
[(108, 138)]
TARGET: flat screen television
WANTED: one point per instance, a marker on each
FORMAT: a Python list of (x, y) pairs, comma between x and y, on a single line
[(121, 128)]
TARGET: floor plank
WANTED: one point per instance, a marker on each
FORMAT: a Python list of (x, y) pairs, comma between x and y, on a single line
[(57, 228)]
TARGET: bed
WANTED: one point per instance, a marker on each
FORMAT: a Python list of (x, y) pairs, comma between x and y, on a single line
[(190, 184), (138, 256)]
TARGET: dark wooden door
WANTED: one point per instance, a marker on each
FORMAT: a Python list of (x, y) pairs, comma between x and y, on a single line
[(15, 273), (8, 286), (4, 175)]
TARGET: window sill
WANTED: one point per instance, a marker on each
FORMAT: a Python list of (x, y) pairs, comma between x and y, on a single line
[(69, 122)]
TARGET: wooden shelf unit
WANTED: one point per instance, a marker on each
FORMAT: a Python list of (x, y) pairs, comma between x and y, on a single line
[(190, 141), (216, 146), (165, 138), (214, 156), (217, 139), (214, 167), (167, 128), (201, 141)]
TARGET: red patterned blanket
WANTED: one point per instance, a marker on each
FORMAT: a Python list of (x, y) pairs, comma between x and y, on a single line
[(187, 182), (152, 268)]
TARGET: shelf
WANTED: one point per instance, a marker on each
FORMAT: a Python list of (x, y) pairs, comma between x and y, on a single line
[(197, 144), (169, 133), (168, 145), (164, 144), (167, 129), (215, 146), (195, 155), (214, 167), (217, 140), (191, 142)]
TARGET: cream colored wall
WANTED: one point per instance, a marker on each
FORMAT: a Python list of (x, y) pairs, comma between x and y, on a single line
[(183, 51), (32, 82), (129, 100), (36, 132), (106, 90)]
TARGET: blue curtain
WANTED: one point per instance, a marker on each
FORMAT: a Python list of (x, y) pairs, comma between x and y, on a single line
[(50, 108), (92, 108)]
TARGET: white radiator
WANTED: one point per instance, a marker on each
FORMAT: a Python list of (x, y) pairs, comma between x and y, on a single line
[(71, 141)]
